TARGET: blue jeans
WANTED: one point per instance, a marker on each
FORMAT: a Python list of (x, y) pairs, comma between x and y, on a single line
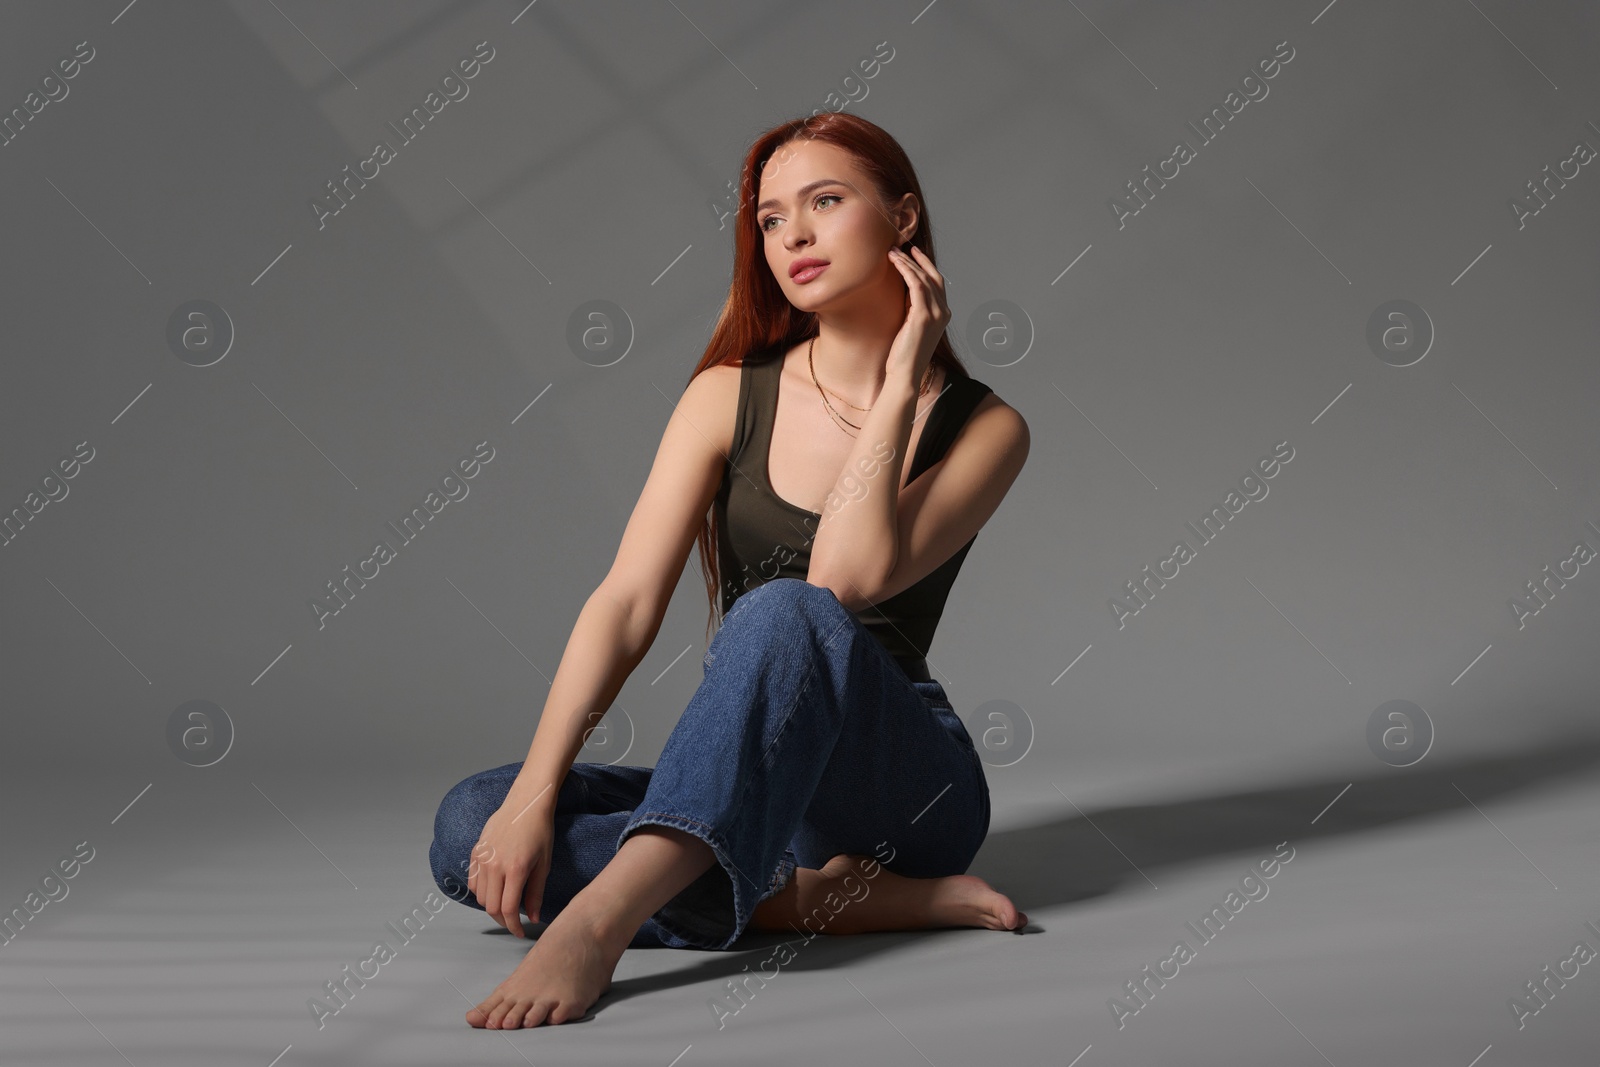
[(804, 740)]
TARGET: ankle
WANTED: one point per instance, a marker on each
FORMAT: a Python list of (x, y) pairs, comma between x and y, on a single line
[(601, 922)]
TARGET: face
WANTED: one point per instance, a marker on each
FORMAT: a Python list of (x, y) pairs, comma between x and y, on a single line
[(814, 202)]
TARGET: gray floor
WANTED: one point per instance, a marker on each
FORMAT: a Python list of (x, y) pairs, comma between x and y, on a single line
[(1417, 903)]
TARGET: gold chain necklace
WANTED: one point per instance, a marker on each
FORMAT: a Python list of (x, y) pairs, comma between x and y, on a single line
[(927, 378)]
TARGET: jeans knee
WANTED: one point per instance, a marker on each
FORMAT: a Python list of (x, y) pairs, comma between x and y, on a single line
[(791, 589), (787, 599), (450, 871), (456, 828), (779, 618), (455, 812)]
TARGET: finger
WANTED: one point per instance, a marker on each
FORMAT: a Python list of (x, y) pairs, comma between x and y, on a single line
[(475, 860), (914, 278), (509, 906), (935, 278), (489, 896), (908, 259), (920, 258), (533, 897), (929, 290), (533, 893), (906, 264)]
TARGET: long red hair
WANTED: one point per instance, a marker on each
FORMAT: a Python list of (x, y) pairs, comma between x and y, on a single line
[(757, 316)]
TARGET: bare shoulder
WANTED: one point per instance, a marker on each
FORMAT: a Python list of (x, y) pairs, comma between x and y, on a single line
[(682, 483), (710, 403), (998, 425)]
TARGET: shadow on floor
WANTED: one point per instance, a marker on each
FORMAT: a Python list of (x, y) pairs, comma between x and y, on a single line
[(1070, 858)]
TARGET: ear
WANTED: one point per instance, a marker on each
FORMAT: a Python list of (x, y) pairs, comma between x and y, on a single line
[(907, 216)]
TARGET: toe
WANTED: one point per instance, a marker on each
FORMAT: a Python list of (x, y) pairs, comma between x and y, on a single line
[(1007, 916), (497, 1016), (484, 1012)]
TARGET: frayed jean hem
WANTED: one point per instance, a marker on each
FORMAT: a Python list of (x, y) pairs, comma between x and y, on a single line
[(698, 914)]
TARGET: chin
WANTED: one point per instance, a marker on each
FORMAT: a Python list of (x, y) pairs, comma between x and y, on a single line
[(813, 297), (812, 306)]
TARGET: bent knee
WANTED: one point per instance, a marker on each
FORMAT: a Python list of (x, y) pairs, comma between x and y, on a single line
[(785, 599), (792, 589), (457, 825), (450, 864)]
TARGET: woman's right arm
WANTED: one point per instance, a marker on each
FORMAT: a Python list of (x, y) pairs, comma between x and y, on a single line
[(614, 630)]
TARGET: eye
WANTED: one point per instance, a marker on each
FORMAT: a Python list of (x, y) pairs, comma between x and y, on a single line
[(825, 196)]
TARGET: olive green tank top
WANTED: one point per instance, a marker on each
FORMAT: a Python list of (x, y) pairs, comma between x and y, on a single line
[(762, 536)]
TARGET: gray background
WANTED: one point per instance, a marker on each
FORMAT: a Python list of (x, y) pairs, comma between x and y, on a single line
[(1131, 792)]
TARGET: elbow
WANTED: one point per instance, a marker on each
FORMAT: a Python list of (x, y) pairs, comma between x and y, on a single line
[(852, 600), (851, 591), (857, 584), (640, 615)]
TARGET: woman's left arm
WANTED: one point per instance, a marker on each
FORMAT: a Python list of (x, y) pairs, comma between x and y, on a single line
[(882, 544), (869, 545), (856, 542)]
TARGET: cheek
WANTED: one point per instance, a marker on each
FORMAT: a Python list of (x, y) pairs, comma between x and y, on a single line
[(857, 245)]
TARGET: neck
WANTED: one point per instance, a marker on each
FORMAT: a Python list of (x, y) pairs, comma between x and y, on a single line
[(850, 356)]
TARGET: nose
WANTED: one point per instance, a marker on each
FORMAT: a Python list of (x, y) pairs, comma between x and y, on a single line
[(795, 238)]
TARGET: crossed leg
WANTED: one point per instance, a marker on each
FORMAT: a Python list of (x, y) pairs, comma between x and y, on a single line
[(572, 961), (570, 966), (858, 895)]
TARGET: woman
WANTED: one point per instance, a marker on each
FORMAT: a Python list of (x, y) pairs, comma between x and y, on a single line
[(817, 735)]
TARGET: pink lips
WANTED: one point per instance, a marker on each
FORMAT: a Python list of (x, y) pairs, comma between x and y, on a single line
[(803, 270)]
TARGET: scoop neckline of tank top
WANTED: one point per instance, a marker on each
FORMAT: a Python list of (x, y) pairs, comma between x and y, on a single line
[(766, 482)]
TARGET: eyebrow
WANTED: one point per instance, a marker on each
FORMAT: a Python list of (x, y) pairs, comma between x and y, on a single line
[(804, 191)]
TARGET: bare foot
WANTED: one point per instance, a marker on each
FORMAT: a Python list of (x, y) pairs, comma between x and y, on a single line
[(568, 968), (856, 894)]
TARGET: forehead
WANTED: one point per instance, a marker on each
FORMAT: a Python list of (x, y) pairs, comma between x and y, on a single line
[(799, 162)]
